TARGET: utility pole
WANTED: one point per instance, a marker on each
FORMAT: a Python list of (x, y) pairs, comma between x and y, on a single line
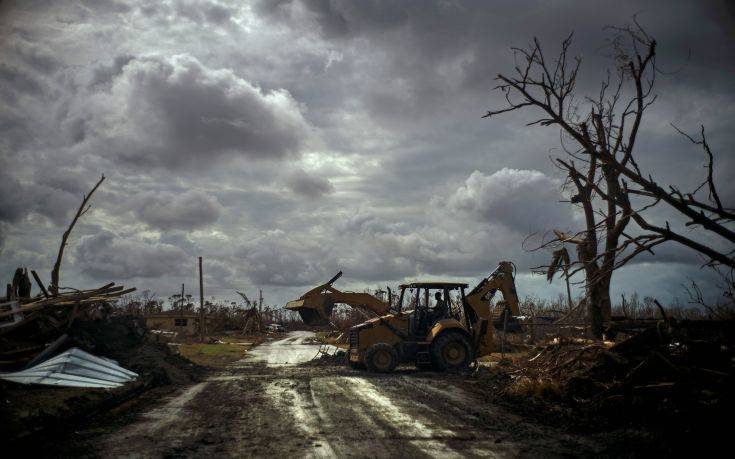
[(201, 302), (182, 300), (260, 310)]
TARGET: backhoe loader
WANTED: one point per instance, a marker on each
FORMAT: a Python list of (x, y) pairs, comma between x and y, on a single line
[(446, 336)]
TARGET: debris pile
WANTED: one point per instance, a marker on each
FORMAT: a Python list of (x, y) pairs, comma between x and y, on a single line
[(37, 326), (670, 371), (27, 409), (328, 355)]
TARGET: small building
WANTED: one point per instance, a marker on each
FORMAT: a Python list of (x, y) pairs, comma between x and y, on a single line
[(186, 323)]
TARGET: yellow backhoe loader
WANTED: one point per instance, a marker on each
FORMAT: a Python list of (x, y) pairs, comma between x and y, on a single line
[(446, 335)]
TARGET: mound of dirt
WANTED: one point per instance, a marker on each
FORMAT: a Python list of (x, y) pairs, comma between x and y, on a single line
[(29, 409), (125, 339)]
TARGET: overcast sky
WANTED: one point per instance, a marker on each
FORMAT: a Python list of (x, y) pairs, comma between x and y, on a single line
[(286, 140)]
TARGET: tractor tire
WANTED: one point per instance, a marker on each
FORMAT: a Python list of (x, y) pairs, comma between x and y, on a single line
[(451, 351), (356, 365), (381, 358)]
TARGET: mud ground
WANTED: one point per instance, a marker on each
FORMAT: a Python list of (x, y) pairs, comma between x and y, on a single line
[(269, 405)]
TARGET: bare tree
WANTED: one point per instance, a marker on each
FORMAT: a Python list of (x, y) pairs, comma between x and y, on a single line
[(83, 209), (601, 168)]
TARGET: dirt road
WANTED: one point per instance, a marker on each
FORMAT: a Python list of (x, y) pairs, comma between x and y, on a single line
[(269, 405)]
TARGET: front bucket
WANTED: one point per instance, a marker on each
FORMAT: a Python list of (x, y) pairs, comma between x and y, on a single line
[(313, 311)]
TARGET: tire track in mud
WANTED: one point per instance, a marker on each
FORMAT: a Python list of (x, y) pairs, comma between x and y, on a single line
[(356, 428), (261, 407), (160, 423), (403, 429)]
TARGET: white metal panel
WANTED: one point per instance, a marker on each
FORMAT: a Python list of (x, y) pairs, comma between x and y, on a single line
[(74, 368)]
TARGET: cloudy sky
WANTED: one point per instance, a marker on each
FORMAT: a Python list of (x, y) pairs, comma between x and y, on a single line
[(286, 140)]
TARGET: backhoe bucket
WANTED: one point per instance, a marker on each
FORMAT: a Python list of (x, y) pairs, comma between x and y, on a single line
[(315, 310)]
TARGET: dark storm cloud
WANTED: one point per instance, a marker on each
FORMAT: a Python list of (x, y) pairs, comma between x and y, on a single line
[(173, 111), (14, 202), (276, 258), (522, 200), (200, 12), (36, 57), (53, 200), (185, 211), (62, 179), (310, 186), (369, 109), (107, 256), (107, 6), (14, 79), (104, 73), (331, 21), (25, 69)]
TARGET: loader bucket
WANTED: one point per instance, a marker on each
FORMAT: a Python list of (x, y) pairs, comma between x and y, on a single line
[(314, 310)]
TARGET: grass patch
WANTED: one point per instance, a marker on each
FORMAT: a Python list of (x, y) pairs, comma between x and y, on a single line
[(213, 355)]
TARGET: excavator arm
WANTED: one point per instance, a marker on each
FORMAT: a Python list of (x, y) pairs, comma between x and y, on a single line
[(501, 279), (479, 300), (315, 306)]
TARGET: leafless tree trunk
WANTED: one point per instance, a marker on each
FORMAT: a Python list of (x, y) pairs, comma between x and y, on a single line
[(83, 209), (601, 167)]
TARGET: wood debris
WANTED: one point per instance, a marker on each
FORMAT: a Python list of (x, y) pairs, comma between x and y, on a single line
[(33, 325), (672, 368)]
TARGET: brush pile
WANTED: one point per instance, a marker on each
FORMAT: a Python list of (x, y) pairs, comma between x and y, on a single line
[(32, 328), (328, 356), (672, 370)]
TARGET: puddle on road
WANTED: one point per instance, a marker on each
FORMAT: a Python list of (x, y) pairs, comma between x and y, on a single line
[(289, 351)]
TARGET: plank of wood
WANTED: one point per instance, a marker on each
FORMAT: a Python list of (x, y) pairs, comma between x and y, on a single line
[(50, 349), (21, 350), (40, 284)]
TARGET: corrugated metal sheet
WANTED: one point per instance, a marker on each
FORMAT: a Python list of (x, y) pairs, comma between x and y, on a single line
[(74, 368)]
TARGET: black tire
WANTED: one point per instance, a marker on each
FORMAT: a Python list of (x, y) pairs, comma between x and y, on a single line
[(356, 365), (381, 358), (451, 351)]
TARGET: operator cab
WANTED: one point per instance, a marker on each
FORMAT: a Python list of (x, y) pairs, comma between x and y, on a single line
[(429, 302)]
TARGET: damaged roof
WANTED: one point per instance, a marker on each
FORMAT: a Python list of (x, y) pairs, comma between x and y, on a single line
[(74, 368)]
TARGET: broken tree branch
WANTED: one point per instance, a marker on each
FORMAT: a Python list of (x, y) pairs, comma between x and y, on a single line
[(83, 208)]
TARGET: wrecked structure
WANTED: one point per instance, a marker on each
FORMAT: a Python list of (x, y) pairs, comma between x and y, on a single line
[(185, 323), (33, 328)]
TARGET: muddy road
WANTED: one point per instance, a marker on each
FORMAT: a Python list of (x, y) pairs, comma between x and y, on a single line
[(269, 405)]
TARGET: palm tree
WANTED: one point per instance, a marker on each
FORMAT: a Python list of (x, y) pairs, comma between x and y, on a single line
[(560, 259)]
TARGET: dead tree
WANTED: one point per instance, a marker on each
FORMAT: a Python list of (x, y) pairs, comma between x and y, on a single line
[(83, 209), (550, 87), (253, 319), (560, 260), (601, 166)]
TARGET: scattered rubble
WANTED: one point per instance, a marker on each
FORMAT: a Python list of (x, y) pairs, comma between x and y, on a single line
[(674, 376), (26, 409)]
